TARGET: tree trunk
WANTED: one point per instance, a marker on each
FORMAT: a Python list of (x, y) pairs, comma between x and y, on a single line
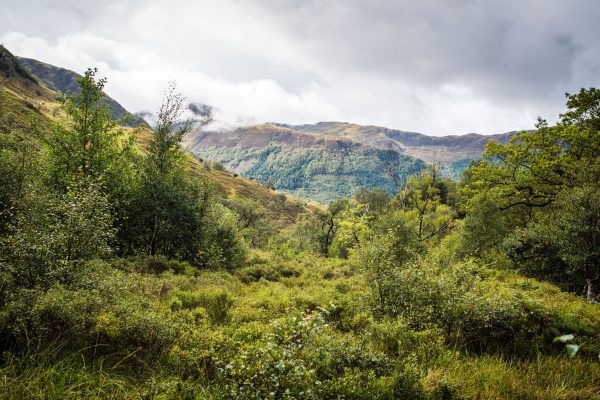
[(589, 291)]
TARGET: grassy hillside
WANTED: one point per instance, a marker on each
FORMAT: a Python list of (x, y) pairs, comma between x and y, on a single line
[(26, 101), (64, 81)]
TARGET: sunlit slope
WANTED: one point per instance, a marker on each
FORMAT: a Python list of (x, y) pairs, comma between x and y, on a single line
[(24, 100)]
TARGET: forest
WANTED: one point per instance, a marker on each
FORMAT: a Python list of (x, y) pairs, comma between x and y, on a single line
[(125, 274), (317, 174)]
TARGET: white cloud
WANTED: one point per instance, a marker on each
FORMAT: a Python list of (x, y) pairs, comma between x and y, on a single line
[(438, 67)]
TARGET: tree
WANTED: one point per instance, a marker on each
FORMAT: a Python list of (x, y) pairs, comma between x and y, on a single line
[(18, 166), (375, 199), (393, 245), (252, 220), (544, 185), (534, 167), (421, 200), (353, 228), (168, 211), (563, 244), (249, 212), (584, 109), (316, 230), (90, 145), (328, 222), (54, 237), (173, 213)]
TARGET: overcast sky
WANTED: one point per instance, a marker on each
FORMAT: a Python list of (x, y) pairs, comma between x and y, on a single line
[(431, 66)]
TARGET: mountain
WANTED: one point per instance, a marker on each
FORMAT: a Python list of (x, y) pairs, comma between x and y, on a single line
[(65, 81), (330, 160), (317, 167), (321, 162), (444, 149), (23, 98), (10, 66)]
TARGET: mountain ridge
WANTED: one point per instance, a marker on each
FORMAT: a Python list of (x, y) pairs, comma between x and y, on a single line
[(327, 160), (64, 81), (320, 161)]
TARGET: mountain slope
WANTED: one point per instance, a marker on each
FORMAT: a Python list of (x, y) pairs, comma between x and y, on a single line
[(329, 160), (445, 149), (320, 168), (65, 81), (23, 99)]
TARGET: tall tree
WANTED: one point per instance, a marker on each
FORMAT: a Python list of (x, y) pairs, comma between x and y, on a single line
[(545, 185), (421, 200), (90, 144), (171, 208)]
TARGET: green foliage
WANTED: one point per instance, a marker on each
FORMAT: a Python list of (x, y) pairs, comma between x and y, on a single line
[(173, 214), (216, 302), (353, 229), (90, 145), (413, 297), (252, 220), (274, 366), (260, 268), (17, 168), (224, 246), (316, 230), (562, 244), (318, 173), (423, 200), (541, 191), (376, 199), (50, 244)]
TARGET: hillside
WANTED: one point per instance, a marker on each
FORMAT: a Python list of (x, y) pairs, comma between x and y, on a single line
[(25, 98), (320, 168), (64, 81), (332, 160), (444, 149)]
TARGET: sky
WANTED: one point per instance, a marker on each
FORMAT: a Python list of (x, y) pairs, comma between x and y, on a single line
[(433, 66)]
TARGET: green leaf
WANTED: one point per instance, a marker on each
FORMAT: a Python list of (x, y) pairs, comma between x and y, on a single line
[(572, 349), (564, 338)]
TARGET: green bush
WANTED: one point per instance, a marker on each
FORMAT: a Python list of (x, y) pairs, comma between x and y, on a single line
[(274, 366), (217, 302), (268, 272)]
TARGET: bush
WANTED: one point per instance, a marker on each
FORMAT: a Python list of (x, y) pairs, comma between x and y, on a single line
[(224, 246), (269, 272), (469, 311), (217, 302), (274, 366)]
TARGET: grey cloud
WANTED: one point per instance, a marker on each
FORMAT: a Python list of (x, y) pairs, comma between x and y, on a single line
[(515, 57)]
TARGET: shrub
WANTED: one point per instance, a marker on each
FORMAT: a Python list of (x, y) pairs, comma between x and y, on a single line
[(274, 366), (217, 302), (268, 272)]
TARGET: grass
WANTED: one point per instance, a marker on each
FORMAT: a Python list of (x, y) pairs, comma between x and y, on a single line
[(239, 311), (47, 375), (492, 377)]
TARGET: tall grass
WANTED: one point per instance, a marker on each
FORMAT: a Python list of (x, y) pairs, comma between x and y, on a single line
[(50, 375), (493, 377)]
